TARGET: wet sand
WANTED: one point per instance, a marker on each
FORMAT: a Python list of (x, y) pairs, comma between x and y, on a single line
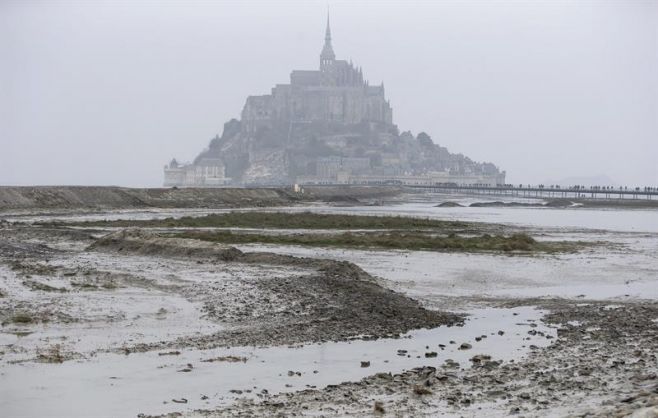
[(156, 326)]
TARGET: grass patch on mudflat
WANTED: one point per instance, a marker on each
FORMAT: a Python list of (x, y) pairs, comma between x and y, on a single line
[(21, 318), (303, 220), (521, 243)]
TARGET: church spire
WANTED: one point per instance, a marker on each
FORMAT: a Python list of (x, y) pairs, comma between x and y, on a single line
[(327, 32), (327, 56)]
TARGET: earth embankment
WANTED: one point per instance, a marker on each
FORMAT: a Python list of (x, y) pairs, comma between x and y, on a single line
[(112, 197)]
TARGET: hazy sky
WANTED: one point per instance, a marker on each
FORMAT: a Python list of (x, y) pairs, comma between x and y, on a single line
[(106, 92)]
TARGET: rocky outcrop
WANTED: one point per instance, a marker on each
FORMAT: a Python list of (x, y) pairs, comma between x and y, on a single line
[(284, 152)]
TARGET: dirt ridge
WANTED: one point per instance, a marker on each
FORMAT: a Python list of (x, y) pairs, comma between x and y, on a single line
[(113, 197), (339, 301)]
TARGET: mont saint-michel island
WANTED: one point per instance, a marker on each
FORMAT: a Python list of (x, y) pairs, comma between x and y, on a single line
[(327, 126), (330, 253)]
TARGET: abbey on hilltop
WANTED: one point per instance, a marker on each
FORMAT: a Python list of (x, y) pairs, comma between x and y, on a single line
[(328, 126)]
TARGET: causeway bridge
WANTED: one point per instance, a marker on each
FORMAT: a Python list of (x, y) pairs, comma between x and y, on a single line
[(575, 192)]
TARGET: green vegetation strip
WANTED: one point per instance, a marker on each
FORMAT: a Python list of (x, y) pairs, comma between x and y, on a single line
[(394, 240), (303, 220), (21, 318)]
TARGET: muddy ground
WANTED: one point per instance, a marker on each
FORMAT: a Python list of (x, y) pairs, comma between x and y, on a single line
[(315, 301), (602, 361), (602, 364)]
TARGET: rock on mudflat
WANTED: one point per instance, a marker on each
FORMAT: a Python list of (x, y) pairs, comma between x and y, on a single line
[(421, 390), (378, 407), (449, 204), (480, 358)]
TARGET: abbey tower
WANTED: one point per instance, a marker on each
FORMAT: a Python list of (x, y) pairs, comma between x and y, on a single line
[(336, 92)]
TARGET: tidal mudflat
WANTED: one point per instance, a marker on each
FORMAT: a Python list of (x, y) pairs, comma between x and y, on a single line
[(133, 314)]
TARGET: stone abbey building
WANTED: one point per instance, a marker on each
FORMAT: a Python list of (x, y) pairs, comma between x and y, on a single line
[(336, 92), (327, 126)]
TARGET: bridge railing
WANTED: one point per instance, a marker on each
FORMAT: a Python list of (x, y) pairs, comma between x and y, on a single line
[(580, 191)]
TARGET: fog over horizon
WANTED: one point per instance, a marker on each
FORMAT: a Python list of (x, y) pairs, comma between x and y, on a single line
[(107, 92)]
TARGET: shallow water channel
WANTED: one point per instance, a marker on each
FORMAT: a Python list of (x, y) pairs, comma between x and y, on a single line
[(125, 385)]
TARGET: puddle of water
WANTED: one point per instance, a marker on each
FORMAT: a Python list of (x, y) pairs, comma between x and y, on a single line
[(122, 385)]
